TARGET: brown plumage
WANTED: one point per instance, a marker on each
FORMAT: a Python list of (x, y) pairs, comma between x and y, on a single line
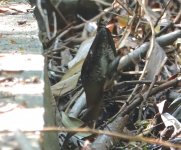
[(95, 71), (98, 67)]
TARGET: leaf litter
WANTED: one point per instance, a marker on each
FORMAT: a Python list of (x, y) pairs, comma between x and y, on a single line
[(143, 96)]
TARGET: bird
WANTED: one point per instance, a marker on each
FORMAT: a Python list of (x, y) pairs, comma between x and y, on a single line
[(97, 70)]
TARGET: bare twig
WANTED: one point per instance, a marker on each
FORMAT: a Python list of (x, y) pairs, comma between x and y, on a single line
[(55, 24), (162, 13), (136, 55), (110, 133), (152, 42), (154, 80), (137, 82), (148, 53), (44, 17), (147, 93), (155, 90), (70, 27), (122, 5), (102, 2)]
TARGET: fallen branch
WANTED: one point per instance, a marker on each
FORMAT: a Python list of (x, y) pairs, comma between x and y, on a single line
[(136, 56)]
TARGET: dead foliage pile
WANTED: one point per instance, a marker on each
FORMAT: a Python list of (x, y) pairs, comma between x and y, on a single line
[(130, 81)]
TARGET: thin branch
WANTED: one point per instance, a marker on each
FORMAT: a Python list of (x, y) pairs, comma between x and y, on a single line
[(44, 17), (70, 27), (102, 2), (162, 13), (122, 5), (152, 42), (137, 82), (147, 93), (55, 24), (110, 133)]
